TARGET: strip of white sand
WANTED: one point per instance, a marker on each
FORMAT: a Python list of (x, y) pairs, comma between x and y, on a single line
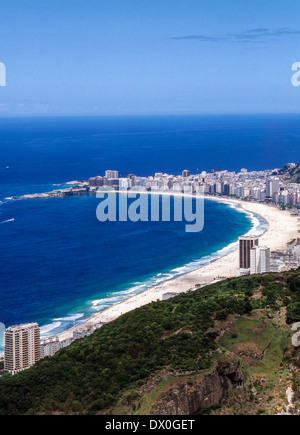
[(282, 228)]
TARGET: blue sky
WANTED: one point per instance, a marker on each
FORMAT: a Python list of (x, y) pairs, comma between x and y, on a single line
[(94, 57)]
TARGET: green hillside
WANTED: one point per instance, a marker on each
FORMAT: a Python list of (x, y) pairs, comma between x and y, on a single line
[(295, 174), (291, 175), (222, 349)]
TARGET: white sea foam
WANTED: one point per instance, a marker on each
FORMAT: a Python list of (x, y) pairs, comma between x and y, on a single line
[(60, 324), (259, 225), (101, 304), (178, 270), (70, 318), (106, 301), (48, 328)]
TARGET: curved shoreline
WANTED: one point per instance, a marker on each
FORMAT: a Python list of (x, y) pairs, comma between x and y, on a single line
[(282, 228)]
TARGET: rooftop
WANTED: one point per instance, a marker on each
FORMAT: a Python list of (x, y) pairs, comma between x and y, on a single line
[(22, 326)]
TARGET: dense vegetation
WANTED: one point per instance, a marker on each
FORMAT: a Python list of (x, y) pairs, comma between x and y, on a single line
[(295, 174), (92, 373), (292, 175)]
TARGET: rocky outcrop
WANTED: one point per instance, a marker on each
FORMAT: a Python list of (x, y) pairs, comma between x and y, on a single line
[(291, 408), (191, 398)]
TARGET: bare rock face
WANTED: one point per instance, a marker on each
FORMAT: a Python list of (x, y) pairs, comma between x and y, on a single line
[(228, 364), (190, 399), (291, 396)]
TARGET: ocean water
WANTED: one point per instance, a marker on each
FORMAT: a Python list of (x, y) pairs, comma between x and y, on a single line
[(58, 264)]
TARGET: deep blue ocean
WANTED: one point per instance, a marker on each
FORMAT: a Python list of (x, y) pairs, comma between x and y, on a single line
[(58, 264)]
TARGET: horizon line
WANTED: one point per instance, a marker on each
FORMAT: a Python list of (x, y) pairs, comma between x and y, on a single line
[(124, 115)]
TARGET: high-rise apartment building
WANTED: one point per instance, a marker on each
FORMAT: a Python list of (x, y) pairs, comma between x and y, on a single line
[(272, 187), (96, 181), (260, 260), (246, 244), (111, 174), (265, 260), (22, 347)]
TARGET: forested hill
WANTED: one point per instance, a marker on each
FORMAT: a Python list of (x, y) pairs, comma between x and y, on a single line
[(292, 175), (224, 349), (295, 174)]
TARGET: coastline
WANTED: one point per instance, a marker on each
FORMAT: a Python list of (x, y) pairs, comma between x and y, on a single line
[(282, 228)]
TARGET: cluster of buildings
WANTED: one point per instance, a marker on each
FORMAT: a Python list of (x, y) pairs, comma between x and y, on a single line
[(286, 259), (110, 179), (270, 186), (263, 186), (24, 346), (255, 259)]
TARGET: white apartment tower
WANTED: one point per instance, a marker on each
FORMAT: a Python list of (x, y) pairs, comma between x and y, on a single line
[(111, 174), (272, 187), (260, 260), (22, 347)]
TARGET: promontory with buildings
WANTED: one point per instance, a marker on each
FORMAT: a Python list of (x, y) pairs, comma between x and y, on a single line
[(278, 186)]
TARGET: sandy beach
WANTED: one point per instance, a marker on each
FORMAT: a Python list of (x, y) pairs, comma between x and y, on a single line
[(282, 228)]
